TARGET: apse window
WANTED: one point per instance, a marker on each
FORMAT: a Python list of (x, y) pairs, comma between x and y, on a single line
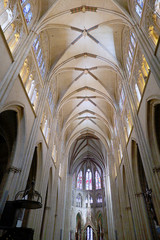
[(79, 180), (88, 180), (97, 180)]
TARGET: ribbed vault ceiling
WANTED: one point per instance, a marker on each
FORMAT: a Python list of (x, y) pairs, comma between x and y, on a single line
[(85, 57)]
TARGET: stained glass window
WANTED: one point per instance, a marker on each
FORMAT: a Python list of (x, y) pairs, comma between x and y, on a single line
[(29, 17), (140, 2), (97, 180), (139, 7), (133, 39), (26, 9), (79, 180), (39, 53), (40, 61), (88, 180), (23, 1)]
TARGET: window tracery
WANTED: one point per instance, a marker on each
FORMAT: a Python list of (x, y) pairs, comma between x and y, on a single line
[(140, 77), (97, 180), (139, 7), (89, 200), (79, 200), (27, 11), (131, 50), (99, 198), (39, 56), (89, 233), (79, 180), (30, 80), (11, 23), (88, 180), (152, 21)]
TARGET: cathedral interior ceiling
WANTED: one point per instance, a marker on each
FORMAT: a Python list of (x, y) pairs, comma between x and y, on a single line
[(85, 42)]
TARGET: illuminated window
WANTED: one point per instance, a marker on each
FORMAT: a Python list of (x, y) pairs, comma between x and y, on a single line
[(79, 200), (27, 11), (138, 92), (131, 49), (99, 198), (89, 233), (139, 7), (79, 180), (121, 100), (50, 100), (89, 200), (39, 56), (88, 180), (157, 7), (97, 180)]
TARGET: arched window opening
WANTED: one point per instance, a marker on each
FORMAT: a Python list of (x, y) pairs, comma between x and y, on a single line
[(89, 201), (131, 50), (89, 233), (140, 80), (79, 180), (27, 11), (99, 198), (79, 201), (39, 56), (88, 180), (30, 81), (139, 7), (11, 23), (97, 180)]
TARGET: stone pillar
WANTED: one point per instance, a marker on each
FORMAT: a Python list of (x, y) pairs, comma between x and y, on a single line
[(145, 150), (108, 194), (67, 226), (140, 220)]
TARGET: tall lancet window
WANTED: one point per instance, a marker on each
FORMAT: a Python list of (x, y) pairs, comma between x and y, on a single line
[(97, 180), (27, 10), (79, 180), (89, 233), (88, 180), (139, 7)]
